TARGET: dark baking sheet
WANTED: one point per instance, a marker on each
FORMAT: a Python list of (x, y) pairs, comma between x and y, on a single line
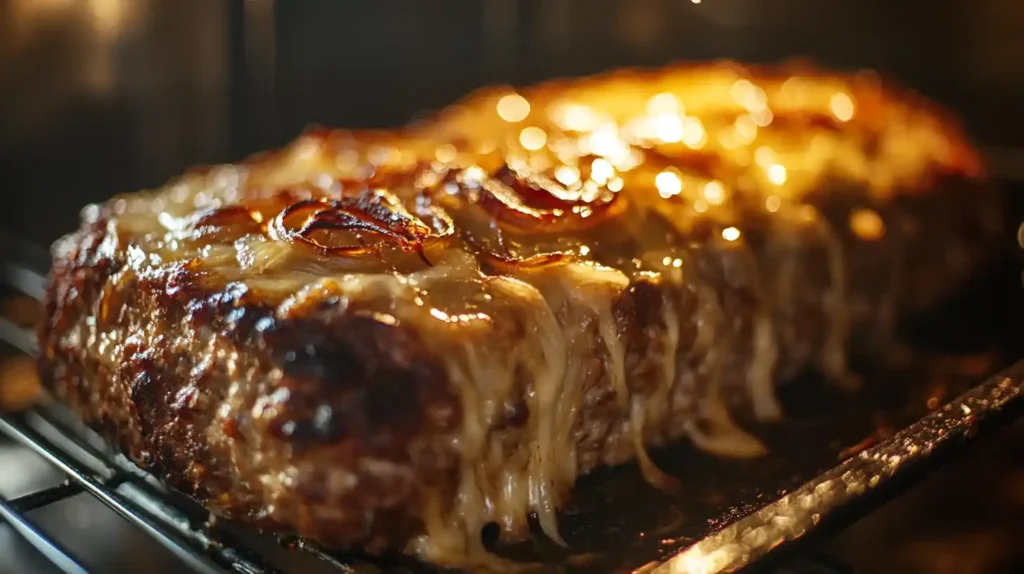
[(837, 456)]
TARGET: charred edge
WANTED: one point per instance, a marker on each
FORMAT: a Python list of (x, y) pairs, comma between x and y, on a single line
[(358, 390), (357, 378)]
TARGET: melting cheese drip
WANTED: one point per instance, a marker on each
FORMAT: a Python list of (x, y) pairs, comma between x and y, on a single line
[(578, 285), (585, 292), (507, 485), (833, 353), (761, 372), (723, 436), (662, 399)]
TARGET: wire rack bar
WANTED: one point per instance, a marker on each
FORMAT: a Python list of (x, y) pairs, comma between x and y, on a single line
[(18, 337), (51, 550), (128, 494), (44, 497), (16, 428)]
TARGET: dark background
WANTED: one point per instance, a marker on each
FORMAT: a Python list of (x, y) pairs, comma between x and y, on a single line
[(106, 96)]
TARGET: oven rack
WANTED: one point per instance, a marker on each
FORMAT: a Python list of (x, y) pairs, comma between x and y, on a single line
[(195, 538)]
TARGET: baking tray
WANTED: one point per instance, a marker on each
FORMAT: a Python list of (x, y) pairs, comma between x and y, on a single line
[(837, 456)]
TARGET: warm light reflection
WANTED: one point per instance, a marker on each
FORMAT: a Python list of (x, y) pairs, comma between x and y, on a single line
[(672, 262), (727, 140), (601, 171), (777, 174), (693, 132), (605, 141), (748, 95), (867, 224), (533, 138), (842, 106), (764, 156), (513, 108), (730, 234), (762, 117), (445, 153), (668, 184), (575, 117), (108, 15), (473, 175), (567, 175), (714, 192), (746, 129), (458, 318), (669, 128), (663, 104)]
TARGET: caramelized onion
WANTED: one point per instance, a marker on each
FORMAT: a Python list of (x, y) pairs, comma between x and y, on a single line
[(507, 263), (374, 213), (229, 215), (520, 199), (224, 223), (528, 200), (493, 261)]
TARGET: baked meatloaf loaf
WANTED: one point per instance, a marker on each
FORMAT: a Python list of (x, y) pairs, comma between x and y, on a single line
[(390, 339)]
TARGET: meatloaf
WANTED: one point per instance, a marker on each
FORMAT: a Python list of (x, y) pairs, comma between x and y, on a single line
[(391, 339)]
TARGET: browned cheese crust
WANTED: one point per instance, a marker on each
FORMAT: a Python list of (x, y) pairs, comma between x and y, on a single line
[(388, 340)]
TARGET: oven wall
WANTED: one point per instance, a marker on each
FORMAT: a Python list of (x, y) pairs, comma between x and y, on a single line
[(104, 96)]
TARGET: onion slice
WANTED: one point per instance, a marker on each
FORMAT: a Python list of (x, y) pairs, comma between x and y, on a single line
[(229, 215), (527, 200), (375, 213), (522, 200)]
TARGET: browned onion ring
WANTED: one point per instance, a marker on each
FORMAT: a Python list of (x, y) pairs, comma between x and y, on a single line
[(493, 261), (527, 200), (223, 224), (506, 264), (378, 212), (225, 216)]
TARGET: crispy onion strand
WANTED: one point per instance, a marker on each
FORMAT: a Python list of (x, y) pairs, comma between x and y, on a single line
[(528, 200), (377, 213), (493, 261), (228, 215)]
